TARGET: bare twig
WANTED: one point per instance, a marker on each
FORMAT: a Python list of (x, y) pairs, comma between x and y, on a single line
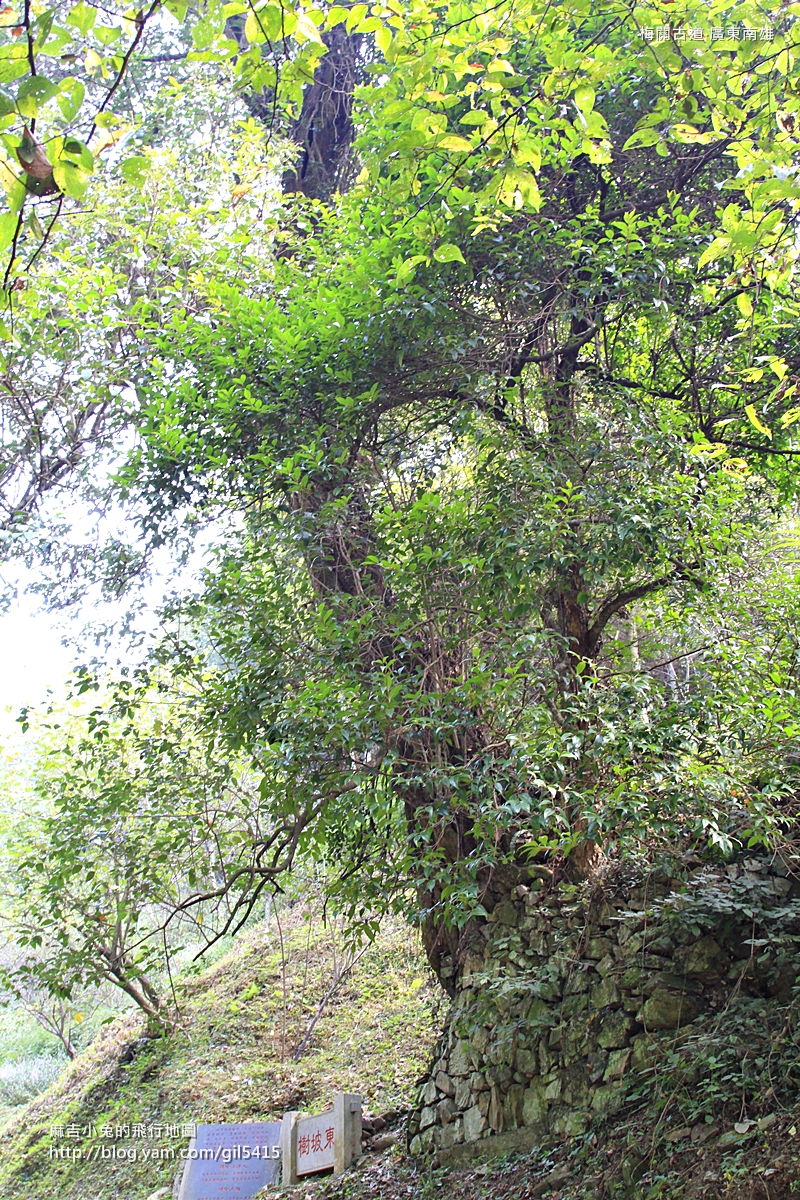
[(141, 24), (283, 984), (339, 977)]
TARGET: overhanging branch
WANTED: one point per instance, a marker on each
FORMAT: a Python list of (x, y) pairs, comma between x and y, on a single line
[(623, 599)]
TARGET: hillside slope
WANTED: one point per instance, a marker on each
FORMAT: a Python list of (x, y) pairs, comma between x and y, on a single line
[(231, 1061), (243, 1021)]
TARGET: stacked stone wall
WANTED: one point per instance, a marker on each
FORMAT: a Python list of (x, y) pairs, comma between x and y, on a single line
[(564, 995)]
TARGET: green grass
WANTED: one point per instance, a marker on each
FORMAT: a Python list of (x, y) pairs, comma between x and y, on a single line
[(232, 1058)]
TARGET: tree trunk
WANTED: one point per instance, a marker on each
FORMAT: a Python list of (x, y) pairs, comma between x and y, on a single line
[(324, 129)]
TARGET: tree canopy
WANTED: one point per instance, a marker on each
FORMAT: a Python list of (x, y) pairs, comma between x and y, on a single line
[(473, 335)]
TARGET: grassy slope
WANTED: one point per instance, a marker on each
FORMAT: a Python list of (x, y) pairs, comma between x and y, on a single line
[(233, 1059), (234, 1062)]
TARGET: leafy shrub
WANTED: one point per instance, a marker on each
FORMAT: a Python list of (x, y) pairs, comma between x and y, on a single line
[(22, 1037)]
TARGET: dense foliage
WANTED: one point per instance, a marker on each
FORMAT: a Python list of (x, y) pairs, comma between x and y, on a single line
[(496, 442)]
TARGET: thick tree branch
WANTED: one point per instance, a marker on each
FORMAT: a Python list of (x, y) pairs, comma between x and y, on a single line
[(623, 599)]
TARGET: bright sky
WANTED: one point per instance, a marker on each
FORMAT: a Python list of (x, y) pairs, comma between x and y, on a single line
[(32, 659)]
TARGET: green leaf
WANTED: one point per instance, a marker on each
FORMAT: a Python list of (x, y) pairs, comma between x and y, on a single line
[(107, 34), (8, 336), (8, 227), (38, 86), (72, 181), (273, 21), (134, 170), (44, 24), (71, 97), (12, 69), (78, 153), (54, 46), (16, 191), (82, 17), (448, 253), (407, 269), (34, 92), (356, 15), (528, 152), (642, 137)]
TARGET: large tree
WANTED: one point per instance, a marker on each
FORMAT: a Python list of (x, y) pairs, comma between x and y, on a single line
[(501, 426), (496, 432)]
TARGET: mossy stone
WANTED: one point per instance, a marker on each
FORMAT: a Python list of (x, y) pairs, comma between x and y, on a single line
[(534, 1104), (606, 994), (615, 1031), (668, 1010)]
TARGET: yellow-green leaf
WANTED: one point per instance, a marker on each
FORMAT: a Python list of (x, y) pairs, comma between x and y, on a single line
[(584, 97), (475, 116), (71, 96), (307, 29), (407, 269), (383, 37), (453, 142), (709, 450), (756, 422), (518, 187), (717, 248), (253, 30), (82, 16), (448, 253)]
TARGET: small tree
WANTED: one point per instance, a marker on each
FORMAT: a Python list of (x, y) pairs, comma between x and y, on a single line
[(64, 1018), (132, 813)]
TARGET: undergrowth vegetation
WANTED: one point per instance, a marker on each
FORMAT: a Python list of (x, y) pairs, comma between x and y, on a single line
[(290, 1015), (283, 1021)]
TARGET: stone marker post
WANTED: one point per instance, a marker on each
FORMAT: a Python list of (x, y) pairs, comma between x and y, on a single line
[(289, 1175), (347, 1131), (329, 1140)]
